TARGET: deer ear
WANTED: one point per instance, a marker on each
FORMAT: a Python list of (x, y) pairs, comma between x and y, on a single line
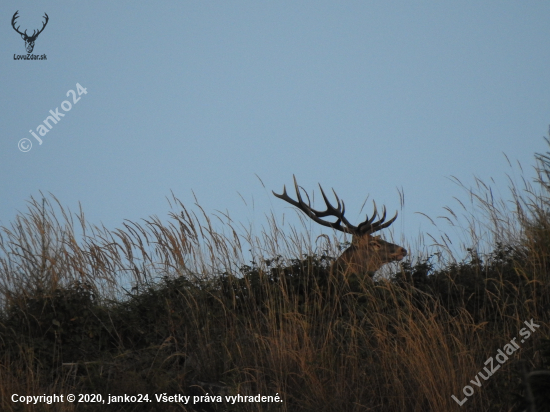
[(23, 36)]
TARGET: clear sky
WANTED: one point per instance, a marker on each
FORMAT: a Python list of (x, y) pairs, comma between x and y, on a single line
[(202, 96)]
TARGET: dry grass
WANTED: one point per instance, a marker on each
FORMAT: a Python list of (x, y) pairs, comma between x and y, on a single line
[(171, 307)]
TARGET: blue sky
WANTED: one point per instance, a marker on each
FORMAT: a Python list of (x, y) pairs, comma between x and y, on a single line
[(201, 97)]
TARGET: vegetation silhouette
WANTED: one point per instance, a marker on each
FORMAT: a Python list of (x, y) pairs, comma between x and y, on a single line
[(174, 308)]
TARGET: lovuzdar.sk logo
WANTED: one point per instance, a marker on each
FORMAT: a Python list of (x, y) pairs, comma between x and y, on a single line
[(29, 40)]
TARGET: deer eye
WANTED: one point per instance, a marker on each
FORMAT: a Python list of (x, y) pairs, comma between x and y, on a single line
[(374, 244)]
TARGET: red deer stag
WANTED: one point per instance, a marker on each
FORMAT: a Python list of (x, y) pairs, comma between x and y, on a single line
[(367, 253)]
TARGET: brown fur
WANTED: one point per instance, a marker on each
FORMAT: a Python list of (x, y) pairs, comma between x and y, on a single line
[(367, 254)]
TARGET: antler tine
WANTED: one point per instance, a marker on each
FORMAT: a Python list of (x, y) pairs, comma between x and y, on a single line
[(15, 16), (316, 215), (368, 227), (337, 212), (374, 214), (389, 222), (301, 204), (381, 220), (44, 25), (298, 194), (331, 209)]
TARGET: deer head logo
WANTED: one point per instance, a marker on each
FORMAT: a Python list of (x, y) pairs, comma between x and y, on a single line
[(29, 40)]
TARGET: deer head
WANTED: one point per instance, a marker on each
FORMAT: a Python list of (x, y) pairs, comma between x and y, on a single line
[(29, 40), (367, 253)]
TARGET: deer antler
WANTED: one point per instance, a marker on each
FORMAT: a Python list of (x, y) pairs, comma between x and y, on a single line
[(43, 26), (34, 34), (367, 227), (15, 16)]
